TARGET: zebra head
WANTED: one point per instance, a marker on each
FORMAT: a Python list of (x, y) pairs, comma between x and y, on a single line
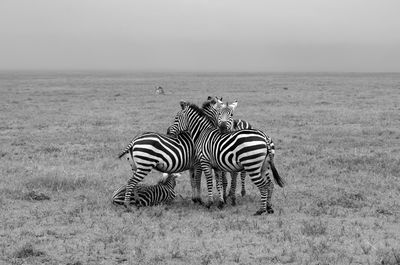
[(169, 179), (225, 116), (211, 107), (180, 123)]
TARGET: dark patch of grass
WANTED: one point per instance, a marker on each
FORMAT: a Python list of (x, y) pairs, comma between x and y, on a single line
[(349, 200), (35, 196), (76, 263), (5, 128), (379, 163), (388, 256), (27, 251), (50, 149), (384, 211), (18, 143), (313, 228)]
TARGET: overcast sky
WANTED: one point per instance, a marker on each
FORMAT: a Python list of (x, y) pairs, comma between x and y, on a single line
[(200, 35)]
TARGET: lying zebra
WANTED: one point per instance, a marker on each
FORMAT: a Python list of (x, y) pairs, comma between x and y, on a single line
[(149, 195)]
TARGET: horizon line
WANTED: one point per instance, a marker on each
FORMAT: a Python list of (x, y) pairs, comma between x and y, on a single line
[(155, 71)]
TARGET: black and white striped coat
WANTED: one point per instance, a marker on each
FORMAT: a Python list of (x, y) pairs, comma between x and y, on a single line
[(231, 152), (165, 153), (148, 195)]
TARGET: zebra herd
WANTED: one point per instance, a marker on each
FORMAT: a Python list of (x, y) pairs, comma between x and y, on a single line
[(201, 140)]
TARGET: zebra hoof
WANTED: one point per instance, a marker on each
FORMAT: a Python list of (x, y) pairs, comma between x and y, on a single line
[(260, 212), (208, 204), (233, 201), (197, 200), (128, 208), (270, 210), (220, 205), (243, 193)]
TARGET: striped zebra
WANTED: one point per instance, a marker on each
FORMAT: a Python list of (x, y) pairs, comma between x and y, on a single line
[(215, 109), (236, 125), (232, 152), (165, 153), (227, 124), (149, 195)]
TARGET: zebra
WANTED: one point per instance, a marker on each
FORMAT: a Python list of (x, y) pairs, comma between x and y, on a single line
[(210, 108), (149, 195), (227, 124), (234, 151), (236, 125), (214, 108), (165, 153)]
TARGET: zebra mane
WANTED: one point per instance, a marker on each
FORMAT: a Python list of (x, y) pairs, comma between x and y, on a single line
[(200, 111), (207, 104)]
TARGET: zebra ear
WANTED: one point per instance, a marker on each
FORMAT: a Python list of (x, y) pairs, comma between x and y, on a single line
[(183, 104), (233, 105), (218, 104)]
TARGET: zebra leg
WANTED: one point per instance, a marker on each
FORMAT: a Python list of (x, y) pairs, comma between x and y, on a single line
[(193, 184), (232, 191), (224, 184), (133, 181), (261, 183), (207, 171), (243, 177), (196, 185), (219, 180), (270, 188)]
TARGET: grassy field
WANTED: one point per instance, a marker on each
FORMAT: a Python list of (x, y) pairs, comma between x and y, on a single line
[(338, 147)]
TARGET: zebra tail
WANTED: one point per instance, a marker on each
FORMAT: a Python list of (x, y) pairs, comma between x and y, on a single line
[(129, 146), (126, 150), (276, 175)]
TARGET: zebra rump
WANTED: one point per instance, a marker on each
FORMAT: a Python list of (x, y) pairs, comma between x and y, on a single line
[(149, 195)]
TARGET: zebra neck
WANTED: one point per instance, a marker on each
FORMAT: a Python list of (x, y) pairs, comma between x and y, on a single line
[(169, 185), (200, 125)]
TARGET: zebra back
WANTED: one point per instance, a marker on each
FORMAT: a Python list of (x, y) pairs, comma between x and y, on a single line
[(241, 125)]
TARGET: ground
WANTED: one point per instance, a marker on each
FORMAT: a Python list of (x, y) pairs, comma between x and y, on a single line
[(337, 138)]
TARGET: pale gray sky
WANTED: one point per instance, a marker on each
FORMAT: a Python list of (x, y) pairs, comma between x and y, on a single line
[(201, 35)]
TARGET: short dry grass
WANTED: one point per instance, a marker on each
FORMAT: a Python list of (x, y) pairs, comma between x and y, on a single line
[(337, 139)]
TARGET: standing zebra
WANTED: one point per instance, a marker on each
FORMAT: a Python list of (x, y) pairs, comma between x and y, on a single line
[(149, 195), (213, 108), (233, 152), (227, 124), (165, 153), (225, 112)]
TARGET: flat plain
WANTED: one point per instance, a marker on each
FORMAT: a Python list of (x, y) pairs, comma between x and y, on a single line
[(337, 139)]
